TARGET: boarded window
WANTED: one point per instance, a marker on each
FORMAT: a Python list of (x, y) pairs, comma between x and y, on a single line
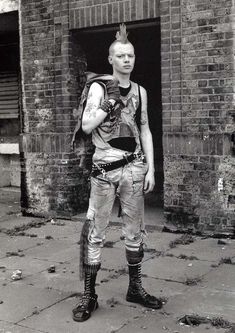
[(9, 95)]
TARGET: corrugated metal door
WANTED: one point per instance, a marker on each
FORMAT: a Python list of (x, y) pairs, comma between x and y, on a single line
[(9, 95)]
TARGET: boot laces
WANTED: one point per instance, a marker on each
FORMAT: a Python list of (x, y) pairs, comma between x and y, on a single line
[(143, 291), (140, 287), (84, 302)]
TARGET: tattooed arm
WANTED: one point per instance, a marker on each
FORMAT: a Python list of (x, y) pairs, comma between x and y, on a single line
[(147, 143), (93, 115)]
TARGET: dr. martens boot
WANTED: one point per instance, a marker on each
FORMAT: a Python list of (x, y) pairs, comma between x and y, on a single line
[(88, 302), (136, 293)]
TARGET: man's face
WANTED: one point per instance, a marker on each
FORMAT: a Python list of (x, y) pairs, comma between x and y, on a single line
[(122, 58)]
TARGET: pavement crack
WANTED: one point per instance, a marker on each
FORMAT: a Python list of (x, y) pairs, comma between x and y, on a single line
[(37, 311)]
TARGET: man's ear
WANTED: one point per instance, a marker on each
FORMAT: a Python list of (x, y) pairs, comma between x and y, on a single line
[(110, 59)]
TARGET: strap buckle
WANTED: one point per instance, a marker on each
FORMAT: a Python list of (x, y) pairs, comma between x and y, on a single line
[(139, 155), (102, 170)]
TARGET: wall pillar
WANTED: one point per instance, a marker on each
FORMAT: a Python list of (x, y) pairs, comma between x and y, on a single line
[(198, 113), (52, 182)]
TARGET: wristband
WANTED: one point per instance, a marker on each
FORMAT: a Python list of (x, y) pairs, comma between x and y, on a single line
[(107, 106)]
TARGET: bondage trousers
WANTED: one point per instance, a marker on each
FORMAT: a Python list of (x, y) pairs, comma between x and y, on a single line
[(127, 183)]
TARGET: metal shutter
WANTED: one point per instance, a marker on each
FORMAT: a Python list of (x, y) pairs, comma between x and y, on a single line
[(9, 95)]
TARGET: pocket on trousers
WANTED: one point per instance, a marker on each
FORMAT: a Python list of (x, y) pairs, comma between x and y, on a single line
[(139, 169)]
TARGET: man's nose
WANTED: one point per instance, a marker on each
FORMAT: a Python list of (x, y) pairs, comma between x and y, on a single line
[(126, 59)]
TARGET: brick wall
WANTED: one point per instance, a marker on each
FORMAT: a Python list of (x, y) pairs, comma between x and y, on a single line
[(51, 183), (89, 13), (198, 113), (53, 65)]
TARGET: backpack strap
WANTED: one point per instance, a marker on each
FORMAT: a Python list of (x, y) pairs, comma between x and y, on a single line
[(138, 111)]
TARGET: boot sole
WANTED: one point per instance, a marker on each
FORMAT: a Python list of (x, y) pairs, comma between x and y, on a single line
[(143, 304), (84, 319)]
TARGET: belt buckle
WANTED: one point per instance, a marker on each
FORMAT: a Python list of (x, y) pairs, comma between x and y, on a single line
[(99, 168), (139, 155)]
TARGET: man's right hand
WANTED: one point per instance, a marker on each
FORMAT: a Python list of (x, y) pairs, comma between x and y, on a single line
[(113, 90)]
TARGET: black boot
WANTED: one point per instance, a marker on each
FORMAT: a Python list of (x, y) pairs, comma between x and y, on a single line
[(136, 293), (88, 302)]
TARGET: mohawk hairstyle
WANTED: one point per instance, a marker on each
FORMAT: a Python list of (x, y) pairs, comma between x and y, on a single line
[(121, 35)]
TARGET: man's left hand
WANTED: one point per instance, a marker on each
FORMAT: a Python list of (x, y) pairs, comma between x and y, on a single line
[(149, 182)]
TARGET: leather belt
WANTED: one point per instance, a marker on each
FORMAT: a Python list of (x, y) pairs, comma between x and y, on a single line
[(98, 169)]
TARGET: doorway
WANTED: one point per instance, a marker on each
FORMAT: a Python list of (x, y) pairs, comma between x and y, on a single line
[(10, 96), (145, 36)]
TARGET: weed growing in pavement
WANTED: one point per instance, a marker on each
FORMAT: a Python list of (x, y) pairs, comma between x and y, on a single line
[(192, 281), (183, 240), (227, 260), (218, 322), (19, 230), (231, 329), (194, 320), (185, 257), (181, 256)]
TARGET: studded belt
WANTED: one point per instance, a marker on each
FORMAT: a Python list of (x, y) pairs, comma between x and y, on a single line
[(98, 169)]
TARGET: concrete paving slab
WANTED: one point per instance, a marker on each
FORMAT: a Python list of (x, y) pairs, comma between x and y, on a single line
[(54, 250), (12, 328), (213, 296), (20, 301), (206, 249), (65, 278), (13, 244), (160, 240), (113, 258), (4, 276), (70, 231), (174, 269), (8, 209), (204, 302), (28, 266), (151, 323), (12, 221), (117, 288), (58, 319), (221, 278)]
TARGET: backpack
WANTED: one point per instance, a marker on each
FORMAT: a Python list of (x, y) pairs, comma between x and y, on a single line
[(81, 143)]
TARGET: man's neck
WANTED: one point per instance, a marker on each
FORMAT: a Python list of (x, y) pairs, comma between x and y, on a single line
[(124, 79)]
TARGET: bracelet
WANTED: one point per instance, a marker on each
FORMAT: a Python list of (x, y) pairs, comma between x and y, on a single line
[(107, 106)]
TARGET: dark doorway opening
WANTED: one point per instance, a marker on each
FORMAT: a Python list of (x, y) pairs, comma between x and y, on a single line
[(145, 36), (9, 115)]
